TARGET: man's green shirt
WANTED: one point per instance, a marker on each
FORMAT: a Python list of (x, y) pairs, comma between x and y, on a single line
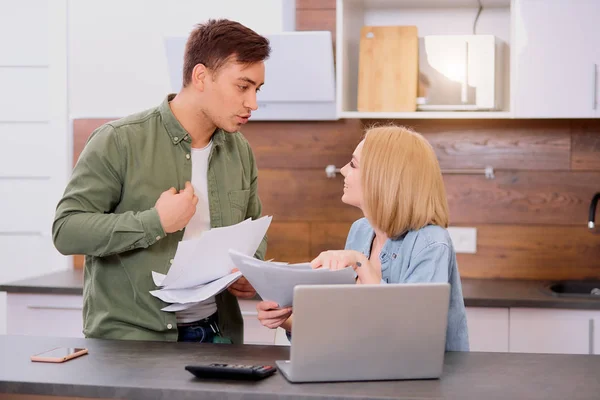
[(107, 213)]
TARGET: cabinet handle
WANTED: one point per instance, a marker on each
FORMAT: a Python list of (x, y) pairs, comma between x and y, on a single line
[(71, 308), (591, 339), (595, 97)]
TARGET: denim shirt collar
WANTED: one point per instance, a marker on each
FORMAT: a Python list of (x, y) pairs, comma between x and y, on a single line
[(388, 252)]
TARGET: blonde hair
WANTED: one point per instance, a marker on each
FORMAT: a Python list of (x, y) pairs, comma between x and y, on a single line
[(401, 180)]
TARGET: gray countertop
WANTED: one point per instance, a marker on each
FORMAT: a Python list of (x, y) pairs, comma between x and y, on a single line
[(476, 292), (63, 282), (155, 370)]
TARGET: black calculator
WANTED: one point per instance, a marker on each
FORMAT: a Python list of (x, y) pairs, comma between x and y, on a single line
[(231, 371)]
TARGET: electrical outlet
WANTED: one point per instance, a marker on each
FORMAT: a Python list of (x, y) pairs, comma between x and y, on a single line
[(464, 239)]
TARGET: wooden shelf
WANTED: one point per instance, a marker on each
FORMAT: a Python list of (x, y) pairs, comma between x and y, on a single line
[(427, 115)]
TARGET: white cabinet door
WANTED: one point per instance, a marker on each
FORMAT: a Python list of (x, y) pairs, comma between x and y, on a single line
[(488, 329), (44, 315), (557, 51), (595, 334), (254, 331), (61, 316), (551, 331)]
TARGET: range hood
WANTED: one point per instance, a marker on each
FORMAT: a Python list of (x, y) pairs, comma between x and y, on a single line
[(299, 78)]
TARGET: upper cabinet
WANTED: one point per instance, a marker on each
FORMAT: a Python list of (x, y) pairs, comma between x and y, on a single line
[(451, 59), (557, 56), (507, 59)]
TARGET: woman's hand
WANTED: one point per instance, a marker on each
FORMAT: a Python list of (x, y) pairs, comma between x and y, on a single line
[(271, 316), (340, 259)]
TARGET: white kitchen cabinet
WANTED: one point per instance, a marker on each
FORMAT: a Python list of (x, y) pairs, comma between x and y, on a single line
[(553, 331), (488, 329), (254, 331), (557, 55), (595, 334), (44, 315), (60, 315)]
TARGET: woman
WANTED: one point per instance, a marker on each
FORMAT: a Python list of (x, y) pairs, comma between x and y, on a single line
[(395, 179)]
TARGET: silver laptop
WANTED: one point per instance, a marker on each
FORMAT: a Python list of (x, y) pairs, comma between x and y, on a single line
[(368, 332)]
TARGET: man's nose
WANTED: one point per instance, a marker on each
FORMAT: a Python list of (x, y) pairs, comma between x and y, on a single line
[(251, 102)]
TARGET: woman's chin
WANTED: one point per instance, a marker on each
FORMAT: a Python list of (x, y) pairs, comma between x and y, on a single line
[(346, 200)]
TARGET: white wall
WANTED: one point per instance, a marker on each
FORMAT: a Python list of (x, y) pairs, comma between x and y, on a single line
[(34, 136), (117, 63)]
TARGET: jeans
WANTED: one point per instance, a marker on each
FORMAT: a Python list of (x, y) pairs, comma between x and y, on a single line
[(203, 331)]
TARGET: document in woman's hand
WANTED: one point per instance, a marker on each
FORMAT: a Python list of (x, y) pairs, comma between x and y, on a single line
[(275, 281)]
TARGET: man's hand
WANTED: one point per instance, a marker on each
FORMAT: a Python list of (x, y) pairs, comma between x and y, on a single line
[(340, 259), (271, 316), (176, 209), (241, 288)]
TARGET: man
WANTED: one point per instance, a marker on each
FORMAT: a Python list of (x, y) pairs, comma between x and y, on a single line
[(147, 181)]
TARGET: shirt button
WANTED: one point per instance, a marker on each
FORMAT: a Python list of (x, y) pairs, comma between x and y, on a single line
[(171, 261), (187, 156), (169, 326), (394, 255), (175, 138), (158, 238)]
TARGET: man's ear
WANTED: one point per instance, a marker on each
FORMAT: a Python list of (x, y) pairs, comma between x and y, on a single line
[(199, 76)]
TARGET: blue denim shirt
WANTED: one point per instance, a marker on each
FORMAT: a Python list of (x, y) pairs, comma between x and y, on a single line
[(425, 255)]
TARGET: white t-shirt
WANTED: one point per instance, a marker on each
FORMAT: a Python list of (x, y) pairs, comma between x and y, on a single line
[(199, 223)]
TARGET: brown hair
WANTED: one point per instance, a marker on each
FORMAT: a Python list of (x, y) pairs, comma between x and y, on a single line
[(402, 181), (214, 42)]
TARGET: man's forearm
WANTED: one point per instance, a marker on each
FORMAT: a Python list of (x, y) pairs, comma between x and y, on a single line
[(100, 235)]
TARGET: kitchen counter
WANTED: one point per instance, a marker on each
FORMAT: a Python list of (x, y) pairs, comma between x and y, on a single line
[(155, 370), (62, 282), (476, 292)]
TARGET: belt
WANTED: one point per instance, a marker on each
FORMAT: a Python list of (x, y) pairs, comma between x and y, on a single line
[(205, 322)]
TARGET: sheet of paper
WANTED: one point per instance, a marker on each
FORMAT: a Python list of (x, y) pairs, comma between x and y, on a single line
[(158, 278), (179, 307), (204, 259), (275, 282), (196, 294)]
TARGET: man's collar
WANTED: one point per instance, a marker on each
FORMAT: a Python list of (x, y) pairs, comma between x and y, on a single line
[(176, 130)]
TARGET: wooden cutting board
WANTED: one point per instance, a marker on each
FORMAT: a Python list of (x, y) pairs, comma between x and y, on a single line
[(388, 68)]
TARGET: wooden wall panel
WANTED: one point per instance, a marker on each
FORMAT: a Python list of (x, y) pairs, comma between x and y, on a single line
[(309, 216), (315, 4), (303, 195), (328, 236), (82, 129), (586, 146), (522, 197), (78, 261), (289, 241), (503, 144), (302, 145), (316, 15), (533, 252)]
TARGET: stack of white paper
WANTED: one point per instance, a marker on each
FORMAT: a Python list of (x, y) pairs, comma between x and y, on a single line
[(202, 266), (276, 281)]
